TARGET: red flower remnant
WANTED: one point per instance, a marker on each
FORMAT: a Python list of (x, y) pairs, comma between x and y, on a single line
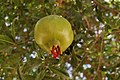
[(55, 51)]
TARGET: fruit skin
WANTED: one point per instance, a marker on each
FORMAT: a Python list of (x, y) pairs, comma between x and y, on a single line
[(53, 30)]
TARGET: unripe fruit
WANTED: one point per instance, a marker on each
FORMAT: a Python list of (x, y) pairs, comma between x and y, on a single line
[(53, 34)]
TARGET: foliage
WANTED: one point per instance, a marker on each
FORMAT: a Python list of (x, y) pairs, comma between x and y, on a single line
[(94, 54)]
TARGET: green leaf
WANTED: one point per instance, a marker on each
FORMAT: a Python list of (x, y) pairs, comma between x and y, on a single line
[(13, 27), (16, 2), (6, 39), (118, 77), (41, 75), (99, 15), (107, 27), (22, 1), (51, 78), (60, 72), (28, 77), (73, 61), (79, 3)]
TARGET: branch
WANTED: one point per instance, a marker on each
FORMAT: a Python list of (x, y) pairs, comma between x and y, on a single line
[(106, 8)]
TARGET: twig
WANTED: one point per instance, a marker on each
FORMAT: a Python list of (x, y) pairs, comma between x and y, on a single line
[(87, 22), (106, 8), (100, 57), (94, 42)]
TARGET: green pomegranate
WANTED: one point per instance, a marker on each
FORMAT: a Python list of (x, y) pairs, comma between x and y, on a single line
[(53, 34)]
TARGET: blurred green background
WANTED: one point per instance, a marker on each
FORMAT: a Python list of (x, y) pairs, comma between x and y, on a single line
[(93, 55)]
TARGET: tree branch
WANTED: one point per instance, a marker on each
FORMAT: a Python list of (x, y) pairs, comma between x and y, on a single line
[(115, 12)]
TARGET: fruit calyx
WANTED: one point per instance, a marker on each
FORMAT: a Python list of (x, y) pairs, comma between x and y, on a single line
[(56, 51)]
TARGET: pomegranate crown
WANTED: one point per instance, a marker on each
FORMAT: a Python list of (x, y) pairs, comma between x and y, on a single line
[(56, 51)]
